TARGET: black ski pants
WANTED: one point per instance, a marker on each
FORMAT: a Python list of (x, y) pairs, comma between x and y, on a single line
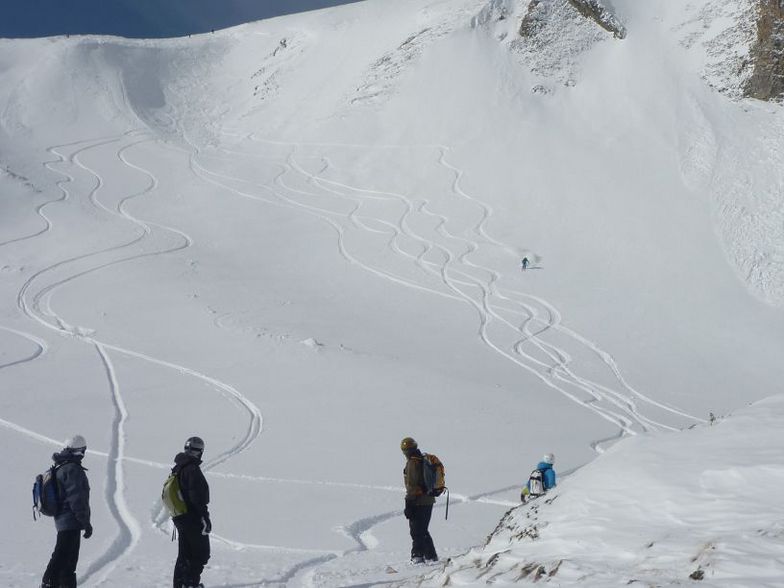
[(192, 554), (421, 541), (61, 571)]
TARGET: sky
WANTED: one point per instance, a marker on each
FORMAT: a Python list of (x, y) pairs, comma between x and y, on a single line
[(141, 18)]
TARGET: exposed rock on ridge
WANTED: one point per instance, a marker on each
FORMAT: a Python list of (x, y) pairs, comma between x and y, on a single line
[(767, 54), (594, 10), (538, 10)]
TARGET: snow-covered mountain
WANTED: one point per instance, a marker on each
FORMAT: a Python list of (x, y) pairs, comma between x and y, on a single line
[(301, 239)]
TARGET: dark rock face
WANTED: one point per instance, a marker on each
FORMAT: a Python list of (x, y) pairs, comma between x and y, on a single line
[(594, 10), (767, 54), (539, 11), (534, 19)]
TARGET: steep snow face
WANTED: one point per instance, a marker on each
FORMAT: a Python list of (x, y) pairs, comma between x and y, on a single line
[(711, 40), (701, 504), (720, 35), (301, 239)]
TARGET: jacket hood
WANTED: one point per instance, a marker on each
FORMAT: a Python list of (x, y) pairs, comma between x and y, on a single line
[(544, 466), (65, 456), (182, 459)]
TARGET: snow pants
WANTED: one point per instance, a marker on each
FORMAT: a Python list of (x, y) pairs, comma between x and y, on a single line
[(421, 541), (192, 554), (61, 571)]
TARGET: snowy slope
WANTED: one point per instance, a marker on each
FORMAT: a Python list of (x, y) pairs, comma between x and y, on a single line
[(300, 239), (700, 504)]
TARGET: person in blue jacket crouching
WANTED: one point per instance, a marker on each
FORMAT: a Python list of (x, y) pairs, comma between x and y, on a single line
[(541, 479)]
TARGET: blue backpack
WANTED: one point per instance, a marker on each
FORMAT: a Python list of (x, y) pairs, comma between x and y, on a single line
[(46, 494)]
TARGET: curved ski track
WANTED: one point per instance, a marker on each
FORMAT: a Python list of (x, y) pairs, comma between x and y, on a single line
[(34, 300), (443, 259), (457, 276), (461, 278)]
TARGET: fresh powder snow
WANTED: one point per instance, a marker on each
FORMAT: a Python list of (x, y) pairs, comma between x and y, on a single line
[(301, 240)]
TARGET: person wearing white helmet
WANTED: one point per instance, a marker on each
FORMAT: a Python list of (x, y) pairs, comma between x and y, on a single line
[(541, 479), (73, 514)]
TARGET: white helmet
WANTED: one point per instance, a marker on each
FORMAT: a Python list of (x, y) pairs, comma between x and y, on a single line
[(549, 458), (76, 445)]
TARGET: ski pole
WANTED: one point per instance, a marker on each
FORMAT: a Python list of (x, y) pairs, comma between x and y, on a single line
[(446, 514)]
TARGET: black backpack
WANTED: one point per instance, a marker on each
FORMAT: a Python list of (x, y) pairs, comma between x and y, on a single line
[(46, 494)]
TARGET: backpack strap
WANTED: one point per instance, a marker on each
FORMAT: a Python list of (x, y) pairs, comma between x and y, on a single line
[(424, 459), (57, 493)]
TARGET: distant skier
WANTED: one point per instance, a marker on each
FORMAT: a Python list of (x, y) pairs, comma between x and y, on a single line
[(73, 514), (419, 506), (541, 479), (194, 525), (524, 263)]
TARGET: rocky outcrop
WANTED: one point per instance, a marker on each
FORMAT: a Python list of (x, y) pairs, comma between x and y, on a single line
[(767, 54), (534, 20), (538, 11), (598, 13), (552, 38)]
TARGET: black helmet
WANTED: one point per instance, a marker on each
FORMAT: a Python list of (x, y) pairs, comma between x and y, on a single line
[(194, 446)]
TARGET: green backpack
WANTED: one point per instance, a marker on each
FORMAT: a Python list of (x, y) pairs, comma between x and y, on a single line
[(172, 496)]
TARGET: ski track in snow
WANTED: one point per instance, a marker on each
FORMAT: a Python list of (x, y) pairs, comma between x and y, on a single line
[(39, 210), (360, 531), (457, 273), (444, 257), (35, 303), (128, 533), (40, 347)]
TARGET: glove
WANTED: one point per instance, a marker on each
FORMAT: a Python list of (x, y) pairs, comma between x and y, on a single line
[(206, 525), (88, 531), (408, 512)]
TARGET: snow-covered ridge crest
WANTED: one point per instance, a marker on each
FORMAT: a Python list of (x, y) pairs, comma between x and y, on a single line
[(653, 510)]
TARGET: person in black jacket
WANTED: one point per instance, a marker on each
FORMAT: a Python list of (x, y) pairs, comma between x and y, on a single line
[(73, 514), (194, 526)]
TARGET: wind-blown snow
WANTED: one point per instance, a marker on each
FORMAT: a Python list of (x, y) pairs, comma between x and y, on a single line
[(301, 239)]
